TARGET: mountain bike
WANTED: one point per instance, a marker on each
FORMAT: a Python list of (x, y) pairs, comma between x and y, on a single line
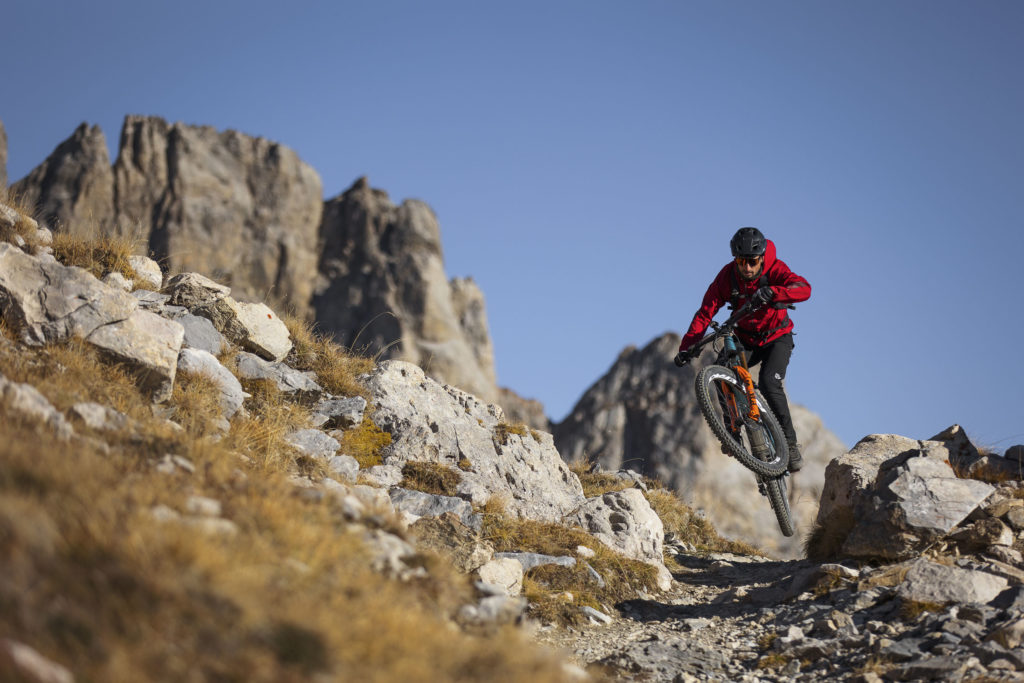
[(739, 416)]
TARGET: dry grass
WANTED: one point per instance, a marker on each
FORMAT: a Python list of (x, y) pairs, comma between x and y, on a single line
[(548, 587), (912, 609), (503, 430), (337, 369), (90, 578), (430, 477), (98, 255), (365, 443)]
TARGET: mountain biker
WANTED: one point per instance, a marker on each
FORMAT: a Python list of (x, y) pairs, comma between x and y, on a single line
[(755, 274)]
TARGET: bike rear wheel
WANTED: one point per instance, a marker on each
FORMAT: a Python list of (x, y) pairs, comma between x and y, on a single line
[(723, 401), (777, 496)]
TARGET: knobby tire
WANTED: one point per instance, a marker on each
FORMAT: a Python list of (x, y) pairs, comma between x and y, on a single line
[(780, 503), (708, 398)]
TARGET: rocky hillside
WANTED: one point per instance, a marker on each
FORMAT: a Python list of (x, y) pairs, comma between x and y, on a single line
[(642, 415), (192, 488), (248, 212)]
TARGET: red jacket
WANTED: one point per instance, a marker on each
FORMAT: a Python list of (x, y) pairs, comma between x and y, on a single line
[(763, 326)]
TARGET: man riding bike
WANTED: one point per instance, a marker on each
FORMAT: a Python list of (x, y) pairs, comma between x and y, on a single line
[(755, 274)]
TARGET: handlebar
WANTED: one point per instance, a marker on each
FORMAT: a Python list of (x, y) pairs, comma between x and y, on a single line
[(722, 329)]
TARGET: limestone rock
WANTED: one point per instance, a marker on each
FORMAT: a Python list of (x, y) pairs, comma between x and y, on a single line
[(420, 504), (505, 573), (890, 497), (100, 417), (147, 272), (148, 345), (624, 521), (118, 281), (199, 362), (44, 301), (193, 289), (200, 334), (382, 281), (286, 378), (643, 414), (313, 442), (339, 413), (930, 582), (25, 400), (435, 423), (460, 543), (254, 327), (73, 190)]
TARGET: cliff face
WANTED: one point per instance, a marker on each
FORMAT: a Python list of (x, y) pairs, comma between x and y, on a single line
[(382, 280), (643, 415)]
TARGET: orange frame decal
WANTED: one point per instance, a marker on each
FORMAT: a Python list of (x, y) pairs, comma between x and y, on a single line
[(748, 382)]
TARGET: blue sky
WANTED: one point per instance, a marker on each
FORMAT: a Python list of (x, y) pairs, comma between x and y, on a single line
[(589, 161)]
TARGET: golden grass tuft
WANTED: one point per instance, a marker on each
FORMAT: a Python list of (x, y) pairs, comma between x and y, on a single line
[(430, 477), (503, 430), (365, 442), (337, 369), (98, 255)]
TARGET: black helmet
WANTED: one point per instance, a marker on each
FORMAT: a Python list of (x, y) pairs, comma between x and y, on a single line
[(747, 243)]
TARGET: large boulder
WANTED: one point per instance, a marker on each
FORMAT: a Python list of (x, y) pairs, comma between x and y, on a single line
[(199, 362), (643, 414), (148, 346), (383, 286), (438, 423), (44, 301), (935, 583), (73, 190), (624, 521), (890, 497)]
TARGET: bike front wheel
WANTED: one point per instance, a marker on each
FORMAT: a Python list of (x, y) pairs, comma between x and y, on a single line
[(722, 398)]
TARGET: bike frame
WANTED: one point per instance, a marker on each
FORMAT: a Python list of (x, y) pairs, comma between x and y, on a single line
[(736, 359)]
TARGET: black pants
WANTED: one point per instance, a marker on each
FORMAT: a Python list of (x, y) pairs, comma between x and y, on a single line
[(774, 359)]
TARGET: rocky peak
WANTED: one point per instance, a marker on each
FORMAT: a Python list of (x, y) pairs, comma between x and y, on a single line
[(383, 285), (74, 188), (643, 415), (241, 208)]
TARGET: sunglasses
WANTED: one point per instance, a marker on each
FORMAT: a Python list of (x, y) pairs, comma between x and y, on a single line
[(750, 262)]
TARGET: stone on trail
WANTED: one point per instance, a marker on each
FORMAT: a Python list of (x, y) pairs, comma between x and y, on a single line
[(930, 582), (625, 522)]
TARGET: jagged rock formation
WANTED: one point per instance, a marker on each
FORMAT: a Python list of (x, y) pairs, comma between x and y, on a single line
[(74, 188), (382, 284), (248, 212), (243, 209), (643, 415)]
